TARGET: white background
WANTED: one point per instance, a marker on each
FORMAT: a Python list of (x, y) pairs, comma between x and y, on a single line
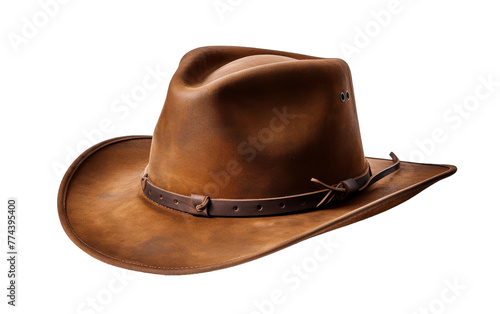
[(414, 66)]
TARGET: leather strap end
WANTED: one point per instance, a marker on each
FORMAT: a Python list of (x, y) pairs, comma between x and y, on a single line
[(394, 157)]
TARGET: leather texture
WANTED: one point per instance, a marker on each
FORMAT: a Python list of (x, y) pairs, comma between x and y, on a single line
[(238, 124)]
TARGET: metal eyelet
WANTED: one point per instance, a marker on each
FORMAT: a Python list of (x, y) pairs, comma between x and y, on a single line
[(342, 97), (347, 95)]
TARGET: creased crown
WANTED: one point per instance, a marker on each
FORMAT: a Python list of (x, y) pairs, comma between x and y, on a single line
[(253, 123)]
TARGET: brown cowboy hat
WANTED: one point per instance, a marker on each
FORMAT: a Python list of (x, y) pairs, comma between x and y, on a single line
[(255, 150)]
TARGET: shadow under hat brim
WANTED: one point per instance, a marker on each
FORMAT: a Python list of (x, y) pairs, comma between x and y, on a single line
[(104, 212)]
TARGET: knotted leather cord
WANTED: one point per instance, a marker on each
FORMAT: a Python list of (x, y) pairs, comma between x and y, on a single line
[(200, 205), (345, 188)]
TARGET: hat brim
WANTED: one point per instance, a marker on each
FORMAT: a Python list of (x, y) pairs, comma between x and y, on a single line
[(104, 212)]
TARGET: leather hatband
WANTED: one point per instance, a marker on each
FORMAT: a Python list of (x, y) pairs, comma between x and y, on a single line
[(202, 205)]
